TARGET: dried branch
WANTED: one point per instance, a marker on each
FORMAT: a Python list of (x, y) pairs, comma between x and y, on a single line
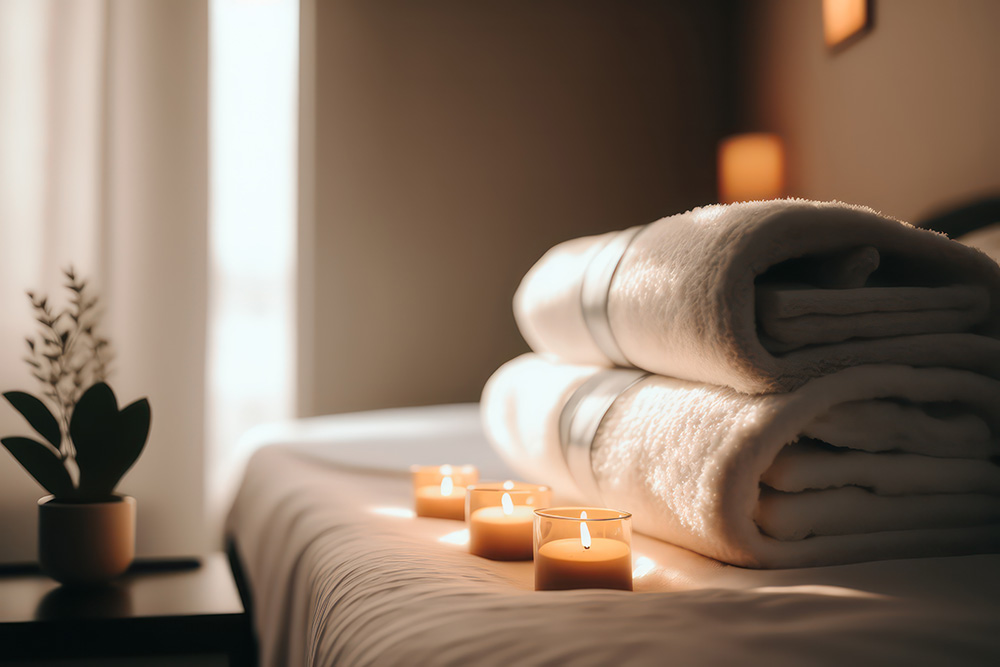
[(67, 357)]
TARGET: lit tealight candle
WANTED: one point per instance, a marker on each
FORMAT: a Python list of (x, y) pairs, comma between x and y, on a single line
[(568, 556), (501, 519), (439, 491)]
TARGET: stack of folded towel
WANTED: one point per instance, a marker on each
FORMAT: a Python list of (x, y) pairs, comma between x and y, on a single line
[(772, 384)]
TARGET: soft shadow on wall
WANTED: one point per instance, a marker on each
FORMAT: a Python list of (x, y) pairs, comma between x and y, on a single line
[(455, 142)]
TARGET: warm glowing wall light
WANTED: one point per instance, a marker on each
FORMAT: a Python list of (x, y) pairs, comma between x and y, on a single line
[(843, 19), (751, 166)]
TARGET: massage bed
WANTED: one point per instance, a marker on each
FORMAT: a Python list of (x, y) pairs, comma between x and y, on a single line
[(339, 571)]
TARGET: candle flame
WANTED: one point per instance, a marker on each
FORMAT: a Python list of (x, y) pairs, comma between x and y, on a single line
[(447, 486), (508, 504), (508, 485), (584, 531)]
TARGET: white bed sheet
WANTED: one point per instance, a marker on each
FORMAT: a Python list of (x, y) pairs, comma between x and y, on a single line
[(342, 573)]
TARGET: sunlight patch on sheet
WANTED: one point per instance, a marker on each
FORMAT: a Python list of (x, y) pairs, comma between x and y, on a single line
[(829, 591), (458, 537), (396, 512), (642, 567)]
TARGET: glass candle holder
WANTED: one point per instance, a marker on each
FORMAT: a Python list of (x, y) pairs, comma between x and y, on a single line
[(501, 518), (439, 491), (582, 547)]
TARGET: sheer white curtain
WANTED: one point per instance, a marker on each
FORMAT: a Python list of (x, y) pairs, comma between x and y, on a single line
[(104, 165), (252, 246), (152, 145)]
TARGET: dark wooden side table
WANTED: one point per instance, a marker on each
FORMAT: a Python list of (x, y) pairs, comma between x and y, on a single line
[(177, 613)]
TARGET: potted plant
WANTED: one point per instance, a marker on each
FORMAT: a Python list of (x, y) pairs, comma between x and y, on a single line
[(86, 532)]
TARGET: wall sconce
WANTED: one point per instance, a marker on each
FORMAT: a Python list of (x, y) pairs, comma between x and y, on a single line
[(845, 20), (751, 166)]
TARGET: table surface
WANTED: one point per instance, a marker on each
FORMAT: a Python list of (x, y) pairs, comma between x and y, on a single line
[(154, 608), (200, 589)]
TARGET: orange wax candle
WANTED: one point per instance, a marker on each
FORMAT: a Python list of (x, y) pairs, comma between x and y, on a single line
[(501, 535), (565, 564), (502, 517), (431, 501), (439, 491), (582, 547)]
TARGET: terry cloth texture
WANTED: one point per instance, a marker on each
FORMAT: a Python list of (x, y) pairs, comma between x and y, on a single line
[(873, 462), (763, 296)]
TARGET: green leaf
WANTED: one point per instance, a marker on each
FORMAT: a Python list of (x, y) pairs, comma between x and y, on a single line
[(43, 464), (93, 429), (133, 431), (108, 442), (119, 452), (39, 416)]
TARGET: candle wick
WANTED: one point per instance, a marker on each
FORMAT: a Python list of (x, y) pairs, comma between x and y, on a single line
[(586, 546)]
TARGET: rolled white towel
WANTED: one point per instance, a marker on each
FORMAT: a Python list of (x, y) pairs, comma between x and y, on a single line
[(763, 296), (743, 479)]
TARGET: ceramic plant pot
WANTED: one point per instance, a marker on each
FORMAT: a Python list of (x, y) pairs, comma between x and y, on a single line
[(86, 543)]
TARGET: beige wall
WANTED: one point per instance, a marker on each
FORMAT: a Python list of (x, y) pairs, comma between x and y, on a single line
[(904, 120), (455, 142)]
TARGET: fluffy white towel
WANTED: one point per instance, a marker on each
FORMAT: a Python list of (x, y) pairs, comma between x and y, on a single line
[(763, 296), (711, 469)]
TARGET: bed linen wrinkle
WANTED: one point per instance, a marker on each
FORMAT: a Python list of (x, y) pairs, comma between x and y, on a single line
[(375, 590), (383, 581), (288, 510), (746, 615), (355, 584), (288, 613), (402, 625), (325, 603)]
